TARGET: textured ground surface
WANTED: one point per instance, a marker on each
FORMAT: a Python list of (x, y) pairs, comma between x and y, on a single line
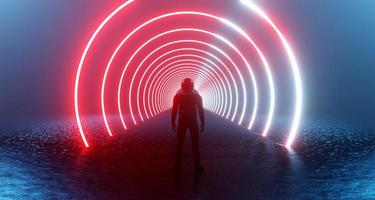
[(47, 161)]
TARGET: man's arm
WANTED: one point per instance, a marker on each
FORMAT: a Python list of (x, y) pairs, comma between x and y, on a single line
[(201, 112), (174, 112)]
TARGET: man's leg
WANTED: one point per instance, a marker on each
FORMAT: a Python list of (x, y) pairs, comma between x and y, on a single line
[(194, 133), (181, 131)]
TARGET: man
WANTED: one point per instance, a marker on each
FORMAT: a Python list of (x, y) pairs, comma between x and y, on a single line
[(188, 103)]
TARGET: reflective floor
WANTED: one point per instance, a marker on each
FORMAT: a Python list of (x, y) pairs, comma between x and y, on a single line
[(47, 161)]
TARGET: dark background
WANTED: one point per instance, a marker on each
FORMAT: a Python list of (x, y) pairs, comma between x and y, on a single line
[(40, 44)]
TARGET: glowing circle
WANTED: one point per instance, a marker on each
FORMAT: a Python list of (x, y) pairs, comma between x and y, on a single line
[(219, 103)]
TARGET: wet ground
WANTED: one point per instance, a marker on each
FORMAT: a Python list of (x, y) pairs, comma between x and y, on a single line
[(47, 161)]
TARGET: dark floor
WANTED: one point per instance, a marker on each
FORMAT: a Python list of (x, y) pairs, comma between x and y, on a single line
[(47, 161)]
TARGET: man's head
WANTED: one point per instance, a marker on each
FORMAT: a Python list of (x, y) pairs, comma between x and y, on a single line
[(187, 85)]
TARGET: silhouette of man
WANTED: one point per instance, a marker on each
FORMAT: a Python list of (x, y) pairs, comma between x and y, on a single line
[(188, 104)]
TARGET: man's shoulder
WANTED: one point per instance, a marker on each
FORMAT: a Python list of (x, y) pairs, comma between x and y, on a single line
[(181, 92), (196, 93)]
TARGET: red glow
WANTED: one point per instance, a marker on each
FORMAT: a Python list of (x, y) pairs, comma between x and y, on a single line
[(152, 71)]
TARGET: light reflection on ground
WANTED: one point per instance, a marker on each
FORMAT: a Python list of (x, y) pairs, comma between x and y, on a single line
[(46, 161)]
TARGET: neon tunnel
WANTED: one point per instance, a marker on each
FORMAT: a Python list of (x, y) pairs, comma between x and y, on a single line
[(133, 64)]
